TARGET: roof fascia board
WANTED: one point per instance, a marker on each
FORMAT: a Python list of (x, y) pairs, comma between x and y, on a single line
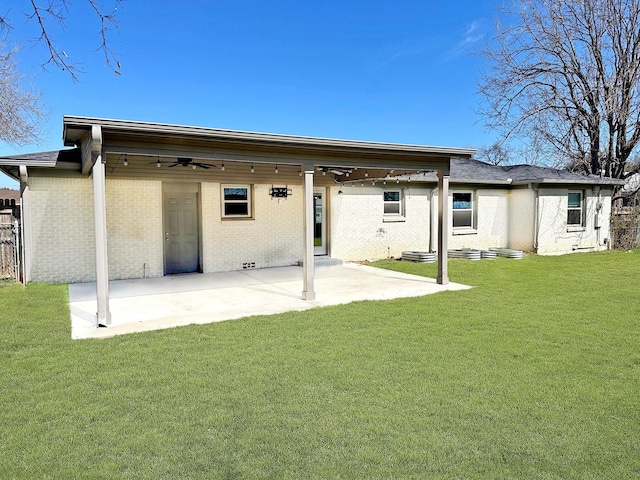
[(115, 127)]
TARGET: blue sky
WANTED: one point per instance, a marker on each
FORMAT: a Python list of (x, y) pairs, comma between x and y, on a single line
[(385, 71)]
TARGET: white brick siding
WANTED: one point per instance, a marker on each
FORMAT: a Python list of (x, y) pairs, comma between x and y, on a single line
[(555, 237), (63, 245), (359, 230), (134, 228), (492, 221), (273, 237), (63, 241), (521, 219)]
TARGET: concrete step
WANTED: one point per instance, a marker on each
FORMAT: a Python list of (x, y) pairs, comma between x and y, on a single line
[(324, 261)]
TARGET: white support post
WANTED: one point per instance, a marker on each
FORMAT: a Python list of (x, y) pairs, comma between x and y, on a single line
[(25, 221), (443, 227), (103, 315), (308, 261)]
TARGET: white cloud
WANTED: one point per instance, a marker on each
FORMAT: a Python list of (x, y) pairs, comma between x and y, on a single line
[(473, 33)]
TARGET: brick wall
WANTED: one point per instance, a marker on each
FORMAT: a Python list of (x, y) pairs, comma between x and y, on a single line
[(62, 229), (491, 224), (359, 229), (273, 237), (556, 238), (134, 227), (521, 219)]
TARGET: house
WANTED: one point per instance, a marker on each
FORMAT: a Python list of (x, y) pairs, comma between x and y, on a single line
[(524, 207), (135, 199)]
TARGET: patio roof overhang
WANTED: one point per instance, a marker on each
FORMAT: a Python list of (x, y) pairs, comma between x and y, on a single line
[(166, 140), (96, 138)]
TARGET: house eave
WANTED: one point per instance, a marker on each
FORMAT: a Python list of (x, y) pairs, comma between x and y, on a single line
[(75, 127), (10, 171)]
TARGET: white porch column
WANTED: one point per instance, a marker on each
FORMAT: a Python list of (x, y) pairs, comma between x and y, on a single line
[(443, 227), (25, 222), (308, 262), (103, 315)]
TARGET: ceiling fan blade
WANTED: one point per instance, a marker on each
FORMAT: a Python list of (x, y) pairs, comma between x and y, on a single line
[(175, 165), (203, 165)]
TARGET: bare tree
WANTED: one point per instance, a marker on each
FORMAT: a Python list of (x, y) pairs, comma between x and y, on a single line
[(566, 74), (49, 14), (496, 154), (20, 107)]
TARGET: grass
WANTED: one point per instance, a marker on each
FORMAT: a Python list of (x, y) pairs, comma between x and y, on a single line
[(535, 373)]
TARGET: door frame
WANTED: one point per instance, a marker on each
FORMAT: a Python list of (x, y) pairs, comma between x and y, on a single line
[(324, 248), (186, 187)]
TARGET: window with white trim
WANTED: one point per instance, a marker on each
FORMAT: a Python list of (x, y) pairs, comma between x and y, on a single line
[(463, 210), (392, 200), (236, 201), (575, 208)]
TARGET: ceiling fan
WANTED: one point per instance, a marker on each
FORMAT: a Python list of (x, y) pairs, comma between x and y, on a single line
[(184, 162)]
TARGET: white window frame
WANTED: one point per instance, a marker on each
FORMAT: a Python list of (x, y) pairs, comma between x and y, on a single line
[(472, 211), (225, 202), (399, 202), (580, 209)]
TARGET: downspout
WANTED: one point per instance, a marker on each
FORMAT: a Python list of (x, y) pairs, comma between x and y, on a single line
[(536, 212), (597, 219), (443, 227), (103, 315), (25, 224), (432, 226)]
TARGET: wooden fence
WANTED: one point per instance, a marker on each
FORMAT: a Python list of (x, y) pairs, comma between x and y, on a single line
[(10, 250), (625, 228)]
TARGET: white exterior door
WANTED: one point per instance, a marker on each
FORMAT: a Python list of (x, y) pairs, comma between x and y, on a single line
[(181, 232)]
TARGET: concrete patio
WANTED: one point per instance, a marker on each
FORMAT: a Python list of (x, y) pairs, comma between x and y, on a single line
[(155, 303)]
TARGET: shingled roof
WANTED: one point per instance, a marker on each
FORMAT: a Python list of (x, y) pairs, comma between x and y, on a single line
[(468, 170), (10, 164)]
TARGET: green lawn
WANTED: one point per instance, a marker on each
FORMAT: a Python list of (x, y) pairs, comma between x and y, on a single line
[(535, 373)]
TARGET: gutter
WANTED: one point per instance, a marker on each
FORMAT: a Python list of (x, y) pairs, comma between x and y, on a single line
[(572, 181)]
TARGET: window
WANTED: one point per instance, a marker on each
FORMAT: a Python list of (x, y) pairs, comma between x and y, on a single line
[(393, 202), (463, 210), (575, 210), (236, 201)]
